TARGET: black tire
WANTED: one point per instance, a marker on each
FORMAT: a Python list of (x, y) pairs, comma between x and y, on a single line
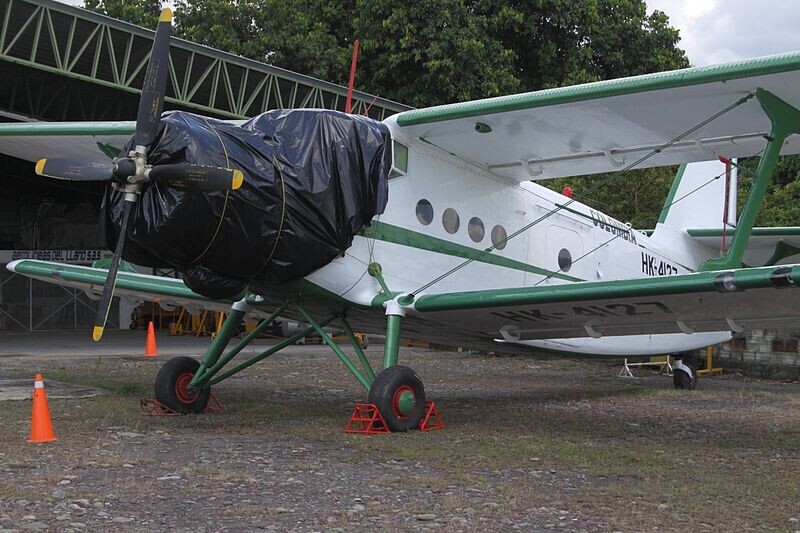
[(386, 390), (681, 379), (171, 382)]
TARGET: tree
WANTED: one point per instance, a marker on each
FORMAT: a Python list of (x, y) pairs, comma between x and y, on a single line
[(299, 35), (441, 51), (434, 52), (636, 196), (560, 42), (781, 204), (143, 13), (425, 53)]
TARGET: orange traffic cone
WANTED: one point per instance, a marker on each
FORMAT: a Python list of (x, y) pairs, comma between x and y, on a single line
[(41, 426), (150, 349)]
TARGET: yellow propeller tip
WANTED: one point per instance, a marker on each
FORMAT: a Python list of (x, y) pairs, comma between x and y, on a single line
[(40, 167), (238, 179), (166, 15), (97, 333)]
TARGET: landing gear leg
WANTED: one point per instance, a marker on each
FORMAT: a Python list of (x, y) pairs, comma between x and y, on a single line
[(397, 391), (684, 375)]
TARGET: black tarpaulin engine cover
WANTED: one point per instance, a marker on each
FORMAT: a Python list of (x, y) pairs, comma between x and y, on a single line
[(312, 180)]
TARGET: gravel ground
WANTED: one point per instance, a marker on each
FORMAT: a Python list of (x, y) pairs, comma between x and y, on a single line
[(528, 445)]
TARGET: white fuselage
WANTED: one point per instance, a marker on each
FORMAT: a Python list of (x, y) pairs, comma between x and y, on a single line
[(600, 248)]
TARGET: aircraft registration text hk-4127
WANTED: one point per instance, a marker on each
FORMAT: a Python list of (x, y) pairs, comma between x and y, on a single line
[(652, 266)]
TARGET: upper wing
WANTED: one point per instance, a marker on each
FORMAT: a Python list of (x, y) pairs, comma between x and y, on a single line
[(604, 126), (747, 298)]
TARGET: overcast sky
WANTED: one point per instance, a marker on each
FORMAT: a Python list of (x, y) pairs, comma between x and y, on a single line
[(716, 31)]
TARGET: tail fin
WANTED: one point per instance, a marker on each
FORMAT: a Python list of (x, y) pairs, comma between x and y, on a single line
[(702, 196)]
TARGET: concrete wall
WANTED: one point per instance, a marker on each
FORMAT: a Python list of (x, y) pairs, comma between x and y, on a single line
[(764, 353)]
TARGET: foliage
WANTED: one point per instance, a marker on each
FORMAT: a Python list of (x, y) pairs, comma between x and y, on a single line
[(560, 42), (433, 52), (440, 51), (635, 196), (140, 12), (295, 35), (781, 205)]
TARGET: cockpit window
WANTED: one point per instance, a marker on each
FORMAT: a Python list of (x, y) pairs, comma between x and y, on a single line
[(399, 160)]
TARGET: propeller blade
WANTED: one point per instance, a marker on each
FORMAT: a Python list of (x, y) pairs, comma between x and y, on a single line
[(75, 169), (196, 177), (111, 280), (151, 103)]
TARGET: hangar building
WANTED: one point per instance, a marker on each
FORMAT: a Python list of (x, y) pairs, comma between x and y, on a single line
[(62, 63)]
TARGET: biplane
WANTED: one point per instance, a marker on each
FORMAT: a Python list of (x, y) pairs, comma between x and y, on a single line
[(456, 243)]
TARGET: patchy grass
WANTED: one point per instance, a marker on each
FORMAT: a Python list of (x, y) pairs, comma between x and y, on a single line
[(536, 442)]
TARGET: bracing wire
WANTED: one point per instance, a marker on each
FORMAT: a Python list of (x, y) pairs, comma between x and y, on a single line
[(601, 183)]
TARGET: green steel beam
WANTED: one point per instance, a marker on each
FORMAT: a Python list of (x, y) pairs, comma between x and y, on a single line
[(212, 363), (78, 44), (366, 383), (359, 352), (224, 335), (391, 347), (785, 121), (263, 355)]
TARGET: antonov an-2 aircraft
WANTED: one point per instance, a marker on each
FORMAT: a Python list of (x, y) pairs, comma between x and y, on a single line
[(470, 250)]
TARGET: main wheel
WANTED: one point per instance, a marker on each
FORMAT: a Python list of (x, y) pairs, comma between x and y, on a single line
[(682, 380), (400, 397), (172, 386)]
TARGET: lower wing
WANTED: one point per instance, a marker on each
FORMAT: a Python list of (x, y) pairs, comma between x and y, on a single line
[(736, 300), (163, 290)]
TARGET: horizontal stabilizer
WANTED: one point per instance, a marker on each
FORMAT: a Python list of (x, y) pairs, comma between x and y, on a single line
[(766, 247)]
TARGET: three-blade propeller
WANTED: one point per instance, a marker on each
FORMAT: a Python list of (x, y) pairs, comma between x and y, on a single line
[(129, 174)]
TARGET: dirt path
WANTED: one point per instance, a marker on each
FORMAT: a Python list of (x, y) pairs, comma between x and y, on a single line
[(529, 445)]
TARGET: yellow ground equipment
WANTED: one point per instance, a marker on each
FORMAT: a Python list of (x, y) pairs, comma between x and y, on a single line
[(709, 369)]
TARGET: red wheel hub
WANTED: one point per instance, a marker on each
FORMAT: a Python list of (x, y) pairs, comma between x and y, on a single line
[(182, 388), (398, 395)]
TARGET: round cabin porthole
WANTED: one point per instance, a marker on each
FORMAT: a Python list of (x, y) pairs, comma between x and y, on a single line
[(475, 229), (499, 236), (564, 260), (424, 212), (450, 220)]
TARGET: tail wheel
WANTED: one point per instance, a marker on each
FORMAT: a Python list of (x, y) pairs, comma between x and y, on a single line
[(172, 386), (682, 380), (400, 397)]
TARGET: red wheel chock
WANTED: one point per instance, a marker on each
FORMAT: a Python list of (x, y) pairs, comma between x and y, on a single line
[(366, 420), (152, 407), (431, 419)]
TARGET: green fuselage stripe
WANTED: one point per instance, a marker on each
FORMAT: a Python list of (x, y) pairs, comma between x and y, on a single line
[(406, 237)]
